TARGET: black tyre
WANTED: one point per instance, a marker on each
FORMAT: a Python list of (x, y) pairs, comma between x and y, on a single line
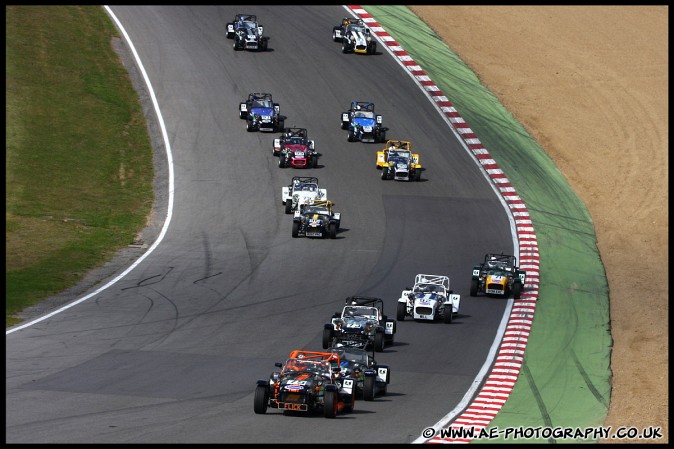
[(296, 229), (352, 135), (330, 405), (369, 385), (263, 45), (235, 45), (448, 314), (473, 287), (280, 127), (282, 160), (417, 175), (379, 341), (249, 126), (289, 206), (345, 48), (350, 402), (384, 173), (402, 311), (261, 399), (333, 230), (327, 338), (517, 290), (314, 162), (345, 125)]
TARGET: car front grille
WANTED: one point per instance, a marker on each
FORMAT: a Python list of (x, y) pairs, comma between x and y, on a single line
[(424, 310)]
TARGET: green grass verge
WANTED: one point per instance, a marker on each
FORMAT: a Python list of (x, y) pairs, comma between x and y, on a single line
[(79, 160)]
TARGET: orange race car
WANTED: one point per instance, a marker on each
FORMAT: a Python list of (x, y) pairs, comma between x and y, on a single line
[(308, 381)]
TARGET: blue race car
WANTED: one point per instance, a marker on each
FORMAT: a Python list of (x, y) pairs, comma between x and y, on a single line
[(261, 113), (363, 124)]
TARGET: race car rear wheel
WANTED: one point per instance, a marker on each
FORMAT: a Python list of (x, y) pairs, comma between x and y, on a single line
[(327, 338), (401, 312), (330, 405), (379, 342), (289, 207), (517, 290), (473, 287), (369, 383), (333, 230), (261, 399), (296, 229)]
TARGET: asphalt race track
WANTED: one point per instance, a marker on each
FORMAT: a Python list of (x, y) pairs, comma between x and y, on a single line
[(171, 353)]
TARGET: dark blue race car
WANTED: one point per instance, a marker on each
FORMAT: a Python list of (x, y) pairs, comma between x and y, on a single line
[(363, 124), (261, 113)]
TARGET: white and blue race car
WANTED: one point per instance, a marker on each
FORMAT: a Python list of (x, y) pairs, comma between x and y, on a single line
[(429, 299)]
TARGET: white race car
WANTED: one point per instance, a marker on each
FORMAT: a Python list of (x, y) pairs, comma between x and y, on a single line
[(302, 190), (429, 299)]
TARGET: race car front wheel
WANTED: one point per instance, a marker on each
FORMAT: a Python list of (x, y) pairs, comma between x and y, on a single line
[(473, 287), (448, 314), (296, 229), (402, 311), (517, 290), (379, 342), (261, 399), (330, 405), (368, 388), (327, 338)]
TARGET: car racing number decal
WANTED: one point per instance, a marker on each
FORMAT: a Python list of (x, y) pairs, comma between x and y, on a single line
[(347, 385), (476, 272)]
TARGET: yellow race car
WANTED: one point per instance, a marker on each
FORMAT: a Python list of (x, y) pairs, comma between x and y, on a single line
[(498, 275), (397, 161)]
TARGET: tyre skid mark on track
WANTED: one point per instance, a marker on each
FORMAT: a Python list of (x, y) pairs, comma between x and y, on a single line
[(508, 363)]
